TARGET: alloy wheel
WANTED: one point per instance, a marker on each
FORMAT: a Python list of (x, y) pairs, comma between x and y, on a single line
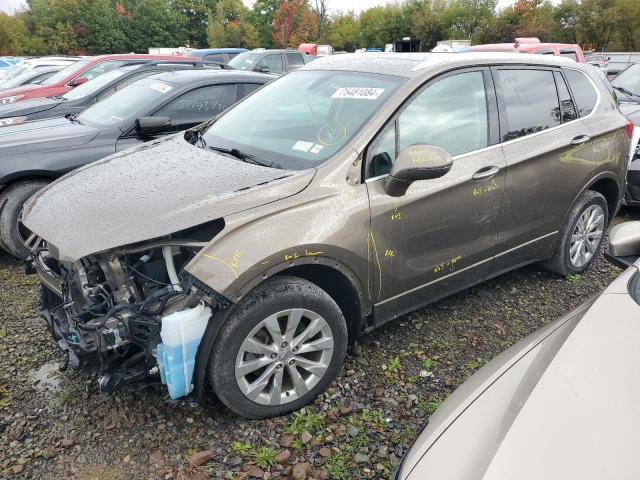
[(586, 236), (29, 239), (284, 357)]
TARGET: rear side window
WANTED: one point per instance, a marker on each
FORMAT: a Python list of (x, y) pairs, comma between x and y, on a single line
[(530, 102), (583, 92), (567, 108)]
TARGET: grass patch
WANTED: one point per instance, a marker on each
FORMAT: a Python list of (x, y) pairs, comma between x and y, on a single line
[(306, 420), (574, 280), (337, 467), (241, 448), (265, 457)]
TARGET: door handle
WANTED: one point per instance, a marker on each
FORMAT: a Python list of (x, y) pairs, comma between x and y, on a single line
[(486, 172), (580, 139)]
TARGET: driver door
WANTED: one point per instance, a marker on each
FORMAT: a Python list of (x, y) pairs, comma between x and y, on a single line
[(440, 235)]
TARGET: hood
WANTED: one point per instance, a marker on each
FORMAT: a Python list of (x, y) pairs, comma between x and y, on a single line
[(148, 192), (28, 107), (43, 135), (18, 90), (560, 404)]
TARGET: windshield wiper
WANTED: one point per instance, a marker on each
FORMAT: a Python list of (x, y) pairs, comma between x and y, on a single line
[(245, 157), (625, 91)]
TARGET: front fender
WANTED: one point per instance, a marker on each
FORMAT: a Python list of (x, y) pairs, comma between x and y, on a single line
[(316, 226)]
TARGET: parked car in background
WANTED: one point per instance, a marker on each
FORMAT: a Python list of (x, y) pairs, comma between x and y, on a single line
[(92, 92), (532, 45), (322, 206), (599, 60), (627, 88), (35, 153), (269, 61), (536, 410), (75, 74), (30, 64), (618, 61), (32, 76), (6, 63), (220, 55)]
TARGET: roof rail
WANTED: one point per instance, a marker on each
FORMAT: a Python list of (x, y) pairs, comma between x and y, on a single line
[(177, 61)]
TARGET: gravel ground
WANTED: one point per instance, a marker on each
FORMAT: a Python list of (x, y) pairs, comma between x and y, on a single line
[(57, 425)]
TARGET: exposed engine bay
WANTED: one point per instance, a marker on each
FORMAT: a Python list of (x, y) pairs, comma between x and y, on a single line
[(105, 311)]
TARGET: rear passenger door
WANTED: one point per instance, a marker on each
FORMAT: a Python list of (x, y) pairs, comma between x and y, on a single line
[(549, 158)]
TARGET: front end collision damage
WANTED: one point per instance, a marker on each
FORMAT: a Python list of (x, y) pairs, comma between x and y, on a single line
[(105, 311)]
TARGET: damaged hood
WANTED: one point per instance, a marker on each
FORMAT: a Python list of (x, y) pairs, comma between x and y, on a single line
[(561, 404), (151, 191)]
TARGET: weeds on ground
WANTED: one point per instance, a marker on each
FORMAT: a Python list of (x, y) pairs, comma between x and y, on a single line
[(241, 448), (375, 419), (393, 369), (265, 457), (574, 280), (306, 420), (429, 364), (337, 467), (431, 406)]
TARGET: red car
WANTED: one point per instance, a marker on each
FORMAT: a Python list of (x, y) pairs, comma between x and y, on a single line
[(75, 74), (533, 45)]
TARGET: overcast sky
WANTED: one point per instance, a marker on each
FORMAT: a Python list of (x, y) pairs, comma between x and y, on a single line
[(357, 5)]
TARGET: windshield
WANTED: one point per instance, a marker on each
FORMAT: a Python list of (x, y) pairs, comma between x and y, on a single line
[(629, 79), (14, 71), (18, 79), (244, 61), (65, 72), (126, 104), (94, 85), (303, 118)]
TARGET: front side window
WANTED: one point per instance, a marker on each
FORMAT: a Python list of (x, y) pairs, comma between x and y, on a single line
[(530, 101), (450, 113), (101, 68), (124, 106), (198, 105), (294, 59), (583, 92), (303, 118), (272, 62)]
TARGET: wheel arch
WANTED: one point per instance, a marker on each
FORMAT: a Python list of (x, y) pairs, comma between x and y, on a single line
[(25, 176), (337, 280), (608, 188)]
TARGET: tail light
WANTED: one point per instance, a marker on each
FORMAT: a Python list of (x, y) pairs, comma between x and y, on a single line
[(630, 129)]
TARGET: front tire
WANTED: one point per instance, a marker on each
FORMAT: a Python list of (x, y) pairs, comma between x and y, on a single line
[(279, 348), (582, 236), (15, 237)]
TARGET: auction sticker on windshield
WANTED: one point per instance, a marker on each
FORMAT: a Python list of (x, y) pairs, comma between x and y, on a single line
[(358, 92), (161, 87)]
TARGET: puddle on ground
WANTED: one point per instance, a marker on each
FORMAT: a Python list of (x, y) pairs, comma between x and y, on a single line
[(47, 377)]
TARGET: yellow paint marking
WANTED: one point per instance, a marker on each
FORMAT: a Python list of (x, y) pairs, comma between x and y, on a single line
[(389, 253), (222, 262), (375, 249)]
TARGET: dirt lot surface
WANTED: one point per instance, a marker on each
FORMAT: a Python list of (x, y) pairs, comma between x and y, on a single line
[(57, 425)]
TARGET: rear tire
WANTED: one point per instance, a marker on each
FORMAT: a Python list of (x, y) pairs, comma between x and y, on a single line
[(13, 234), (289, 327), (582, 235)]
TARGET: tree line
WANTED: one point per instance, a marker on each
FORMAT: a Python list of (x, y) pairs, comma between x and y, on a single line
[(112, 26)]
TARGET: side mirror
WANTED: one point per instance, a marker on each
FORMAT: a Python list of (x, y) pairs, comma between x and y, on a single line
[(264, 69), (624, 243), (78, 81), (152, 125), (417, 162)]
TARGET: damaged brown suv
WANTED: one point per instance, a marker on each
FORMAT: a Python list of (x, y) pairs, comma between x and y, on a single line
[(249, 251)]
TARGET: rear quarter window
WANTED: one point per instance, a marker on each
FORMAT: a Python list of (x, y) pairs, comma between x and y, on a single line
[(583, 92)]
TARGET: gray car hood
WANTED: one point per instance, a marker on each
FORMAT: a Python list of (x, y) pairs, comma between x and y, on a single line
[(562, 404), (154, 190)]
